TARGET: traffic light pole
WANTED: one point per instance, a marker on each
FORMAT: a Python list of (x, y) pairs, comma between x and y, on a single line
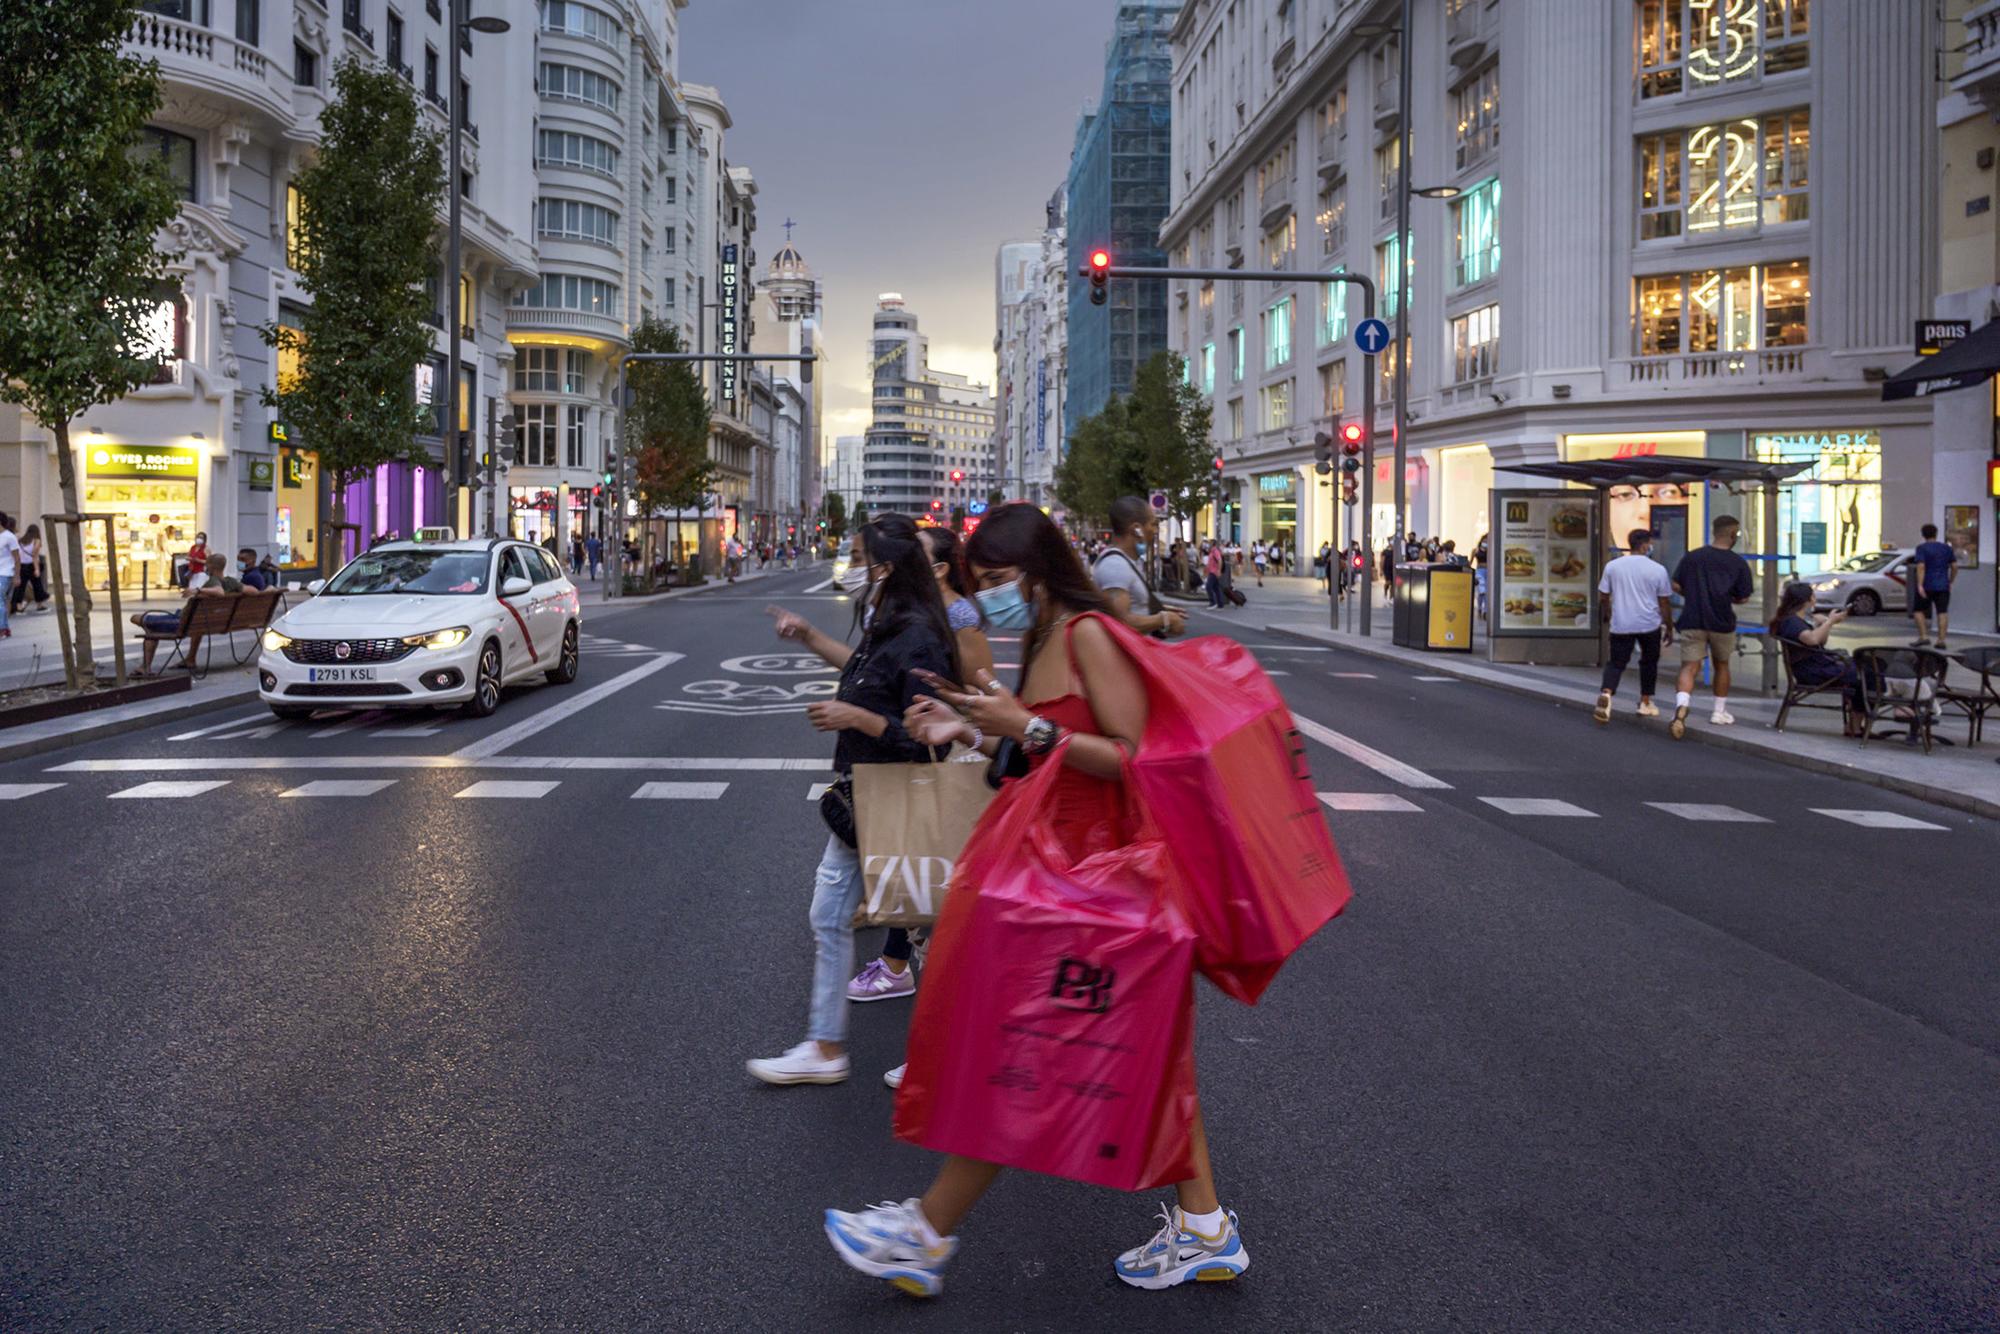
[(1367, 286), (615, 587)]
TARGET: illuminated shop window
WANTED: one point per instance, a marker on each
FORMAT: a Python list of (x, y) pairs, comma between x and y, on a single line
[(1332, 219), (1734, 177), (1333, 316), (1277, 405), (1476, 104), (1278, 334), (1723, 310), (1390, 291), (1333, 387), (1475, 344), (1691, 45), (1476, 227)]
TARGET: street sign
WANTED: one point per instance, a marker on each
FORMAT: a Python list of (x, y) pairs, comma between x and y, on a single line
[(976, 507), (1159, 502), (1812, 538), (1934, 336), (1371, 336)]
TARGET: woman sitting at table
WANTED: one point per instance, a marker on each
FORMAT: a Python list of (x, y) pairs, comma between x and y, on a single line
[(1818, 665)]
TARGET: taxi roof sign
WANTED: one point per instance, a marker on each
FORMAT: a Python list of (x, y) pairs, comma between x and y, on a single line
[(445, 534)]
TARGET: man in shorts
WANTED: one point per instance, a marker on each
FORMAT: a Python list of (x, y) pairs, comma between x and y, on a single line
[(1712, 581), (1933, 566)]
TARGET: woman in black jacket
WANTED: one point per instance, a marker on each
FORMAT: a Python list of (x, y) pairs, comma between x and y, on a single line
[(903, 632)]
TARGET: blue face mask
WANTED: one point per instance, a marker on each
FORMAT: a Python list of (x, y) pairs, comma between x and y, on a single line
[(1141, 550), (1005, 608)]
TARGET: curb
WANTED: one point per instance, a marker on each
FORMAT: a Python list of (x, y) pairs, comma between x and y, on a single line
[(1742, 743), (115, 726)]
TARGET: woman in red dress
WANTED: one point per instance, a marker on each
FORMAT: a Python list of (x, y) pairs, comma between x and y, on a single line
[(1083, 689)]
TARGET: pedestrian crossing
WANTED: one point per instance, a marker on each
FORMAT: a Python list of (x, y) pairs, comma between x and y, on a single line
[(1536, 808)]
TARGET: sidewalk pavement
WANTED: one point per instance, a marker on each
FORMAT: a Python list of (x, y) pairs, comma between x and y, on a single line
[(1961, 777)]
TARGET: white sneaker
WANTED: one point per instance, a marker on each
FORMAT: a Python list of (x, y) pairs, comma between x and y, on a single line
[(888, 1241), (1175, 1255), (894, 1078), (801, 1065), (1722, 718)]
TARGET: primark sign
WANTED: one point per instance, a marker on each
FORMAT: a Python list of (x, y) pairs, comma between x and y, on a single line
[(727, 378)]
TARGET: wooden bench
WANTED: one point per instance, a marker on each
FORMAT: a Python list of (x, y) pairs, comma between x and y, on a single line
[(207, 618)]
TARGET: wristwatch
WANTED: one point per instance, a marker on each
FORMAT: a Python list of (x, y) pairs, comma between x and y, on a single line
[(1038, 735)]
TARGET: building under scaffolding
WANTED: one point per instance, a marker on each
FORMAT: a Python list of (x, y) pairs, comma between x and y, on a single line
[(1117, 200)]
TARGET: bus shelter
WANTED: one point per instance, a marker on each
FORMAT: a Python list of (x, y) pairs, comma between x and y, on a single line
[(1549, 547)]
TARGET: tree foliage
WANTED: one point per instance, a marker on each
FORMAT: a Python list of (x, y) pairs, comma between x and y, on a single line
[(667, 424), (80, 210), (861, 515), (1104, 461), (365, 246), (1155, 439), (835, 509)]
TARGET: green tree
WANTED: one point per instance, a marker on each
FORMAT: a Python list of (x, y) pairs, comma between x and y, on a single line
[(79, 213), (366, 244), (835, 509), (861, 515), (666, 426), (1171, 419), (1104, 460)]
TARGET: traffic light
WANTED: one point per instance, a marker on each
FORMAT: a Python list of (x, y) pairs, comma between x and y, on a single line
[(1218, 464), (1322, 453), (937, 504), (1100, 276), (1351, 436), (610, 466), (957, 475)]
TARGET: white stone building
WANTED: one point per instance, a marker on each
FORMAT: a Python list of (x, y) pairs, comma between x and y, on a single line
[(1016, 268), (1696, 253), (788, 320), (929, 446), (1031, 350)]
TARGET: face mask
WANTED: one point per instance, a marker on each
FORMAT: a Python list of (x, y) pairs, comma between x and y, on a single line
[(855, 579), (1141, 550), (1005, 608)]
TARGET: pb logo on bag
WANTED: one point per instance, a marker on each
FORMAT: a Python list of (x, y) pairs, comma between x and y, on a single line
[(917, 883), (1083, 986)]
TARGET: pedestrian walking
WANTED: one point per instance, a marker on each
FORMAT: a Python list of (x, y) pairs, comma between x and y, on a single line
[(1260, 558), (1637, 600), (1212, 574), (196, 560), (1711, 580), (1087, 692), (10, 566), (1934, 567), (32, 576), (903, 631), (594, 548), (1120, 575), (1389, 566), (1816, 666)]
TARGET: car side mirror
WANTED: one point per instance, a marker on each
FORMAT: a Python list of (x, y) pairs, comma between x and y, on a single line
[(514, 587), (315, 586)]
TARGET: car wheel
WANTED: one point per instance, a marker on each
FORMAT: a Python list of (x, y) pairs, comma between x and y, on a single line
[(486, 684), (1866, 603), (290, 713), (564, 671)]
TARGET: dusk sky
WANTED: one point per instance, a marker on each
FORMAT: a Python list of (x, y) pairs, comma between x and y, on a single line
[(907, 139)]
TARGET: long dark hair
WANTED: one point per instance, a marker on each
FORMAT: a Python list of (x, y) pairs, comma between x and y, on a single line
[(908, 595), (1022, 536), (1797, 596), (945, 549)]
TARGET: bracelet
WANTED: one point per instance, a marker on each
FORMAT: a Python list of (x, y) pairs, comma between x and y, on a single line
[(978, 737)]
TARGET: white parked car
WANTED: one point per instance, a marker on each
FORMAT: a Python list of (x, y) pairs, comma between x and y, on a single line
[(424, 624), (1867, 583)]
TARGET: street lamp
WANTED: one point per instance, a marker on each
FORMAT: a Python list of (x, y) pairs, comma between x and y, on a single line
[(1437, 192), (460, 25)]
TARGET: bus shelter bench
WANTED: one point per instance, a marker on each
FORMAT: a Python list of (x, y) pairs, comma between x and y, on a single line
[(205, 619)]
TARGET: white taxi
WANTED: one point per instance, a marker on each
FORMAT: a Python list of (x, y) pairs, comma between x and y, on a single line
[(424, 624)]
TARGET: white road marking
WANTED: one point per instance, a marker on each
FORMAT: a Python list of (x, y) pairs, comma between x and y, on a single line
[(252, 733), (1538, 806), (816, 791), (1288, 648), (171, 789), (366, 718), (1354, 676), (1697, 810), (405, 731), (680, 791), (225, 763), (1272, 671), (1878, 819), (1388, 766), (1368, 801), (730, 710), (549, 717), (814, 588), (16, 791), (493, 787), (1435, 678), (220, 727), (340, 787)]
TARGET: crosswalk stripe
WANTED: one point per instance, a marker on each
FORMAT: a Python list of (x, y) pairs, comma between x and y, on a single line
[(368, 717), (680, 791), (340, 787), (219, 727), (16, 791), (1877, 819), (1436, 678), (501, 787), (1354, 676), (1697, 810), (1368, 801), (1388, 766), (405, 731), (816, 791), (189, 787), (1538, 806)]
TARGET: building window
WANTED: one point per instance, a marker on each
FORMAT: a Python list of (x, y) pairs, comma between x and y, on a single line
[(1787, 144), (305, 65), (1235, 419), (175, 151), (570, 84), (1277, 405), (573, 220), (576, 438), (1236, 355), (431, 73), (1388, 179), (562, 291), (1280, 243), (673, 189), (1723, 310), (1333, 118), (1208, 368), (1784, 35), (1333, 312), (668, 298), (538, 434), (1697, 44), (552, 370), (1333, 388), (1385, 371), (1733, 177), (1659, 39), (673, 139), (1475, 345), (1475, 220), (558, 148), (1332, 219), (1278, 334), (578, 20), (1386, 284), (295, 236), (1660, 199), (249, 21), (1476, 103)]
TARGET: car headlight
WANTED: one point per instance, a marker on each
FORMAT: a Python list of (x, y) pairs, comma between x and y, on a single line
[(1826, 586), (275, 639), (440, 638)]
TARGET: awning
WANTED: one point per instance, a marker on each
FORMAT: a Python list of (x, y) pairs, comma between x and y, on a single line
[(1970, 361), (1654, 468)]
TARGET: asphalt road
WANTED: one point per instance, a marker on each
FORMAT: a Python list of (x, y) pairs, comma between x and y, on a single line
[(415, 1057)]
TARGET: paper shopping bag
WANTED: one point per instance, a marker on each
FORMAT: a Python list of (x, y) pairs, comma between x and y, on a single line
[(913, 820)]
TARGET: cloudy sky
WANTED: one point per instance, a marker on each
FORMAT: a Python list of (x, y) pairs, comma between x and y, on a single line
[(907, 139)]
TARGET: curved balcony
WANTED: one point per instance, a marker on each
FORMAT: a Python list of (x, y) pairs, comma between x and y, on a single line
[(581, 322), (216, 65)]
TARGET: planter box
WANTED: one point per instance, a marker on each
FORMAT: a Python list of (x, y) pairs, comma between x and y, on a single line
[(63, 705)]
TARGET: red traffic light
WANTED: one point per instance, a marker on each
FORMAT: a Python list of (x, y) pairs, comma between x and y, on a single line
[(1350, 437), (1100, 259), (937, 504), (957, 475), (1218, 463)]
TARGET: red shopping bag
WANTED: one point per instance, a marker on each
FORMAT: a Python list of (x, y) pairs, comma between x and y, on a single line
[(1221, 772), (1055, 1027)]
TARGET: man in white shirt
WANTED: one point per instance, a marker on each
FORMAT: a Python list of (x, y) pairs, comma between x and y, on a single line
[(10, 567), (1636, 595)]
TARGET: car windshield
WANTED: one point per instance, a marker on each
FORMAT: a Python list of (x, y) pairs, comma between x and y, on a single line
[(411, 572), (1867, 563)]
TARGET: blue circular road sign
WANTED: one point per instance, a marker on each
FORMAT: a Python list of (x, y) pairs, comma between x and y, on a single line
[(1371, 336)]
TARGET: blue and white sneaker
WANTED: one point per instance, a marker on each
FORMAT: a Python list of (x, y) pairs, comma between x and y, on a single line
[(889, 1240), (1175, 1255)]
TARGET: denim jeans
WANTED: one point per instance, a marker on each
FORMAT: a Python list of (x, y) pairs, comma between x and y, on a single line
[(6, 596), (836, 894)]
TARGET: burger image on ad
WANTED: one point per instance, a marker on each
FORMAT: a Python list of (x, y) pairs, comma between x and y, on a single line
[(1568, 604), (1520, 563)]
